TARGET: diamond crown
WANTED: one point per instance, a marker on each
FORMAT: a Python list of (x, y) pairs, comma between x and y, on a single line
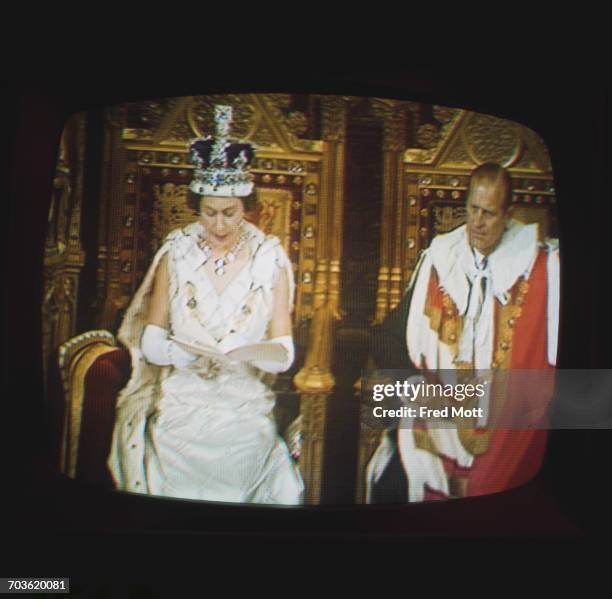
[(222, 167)]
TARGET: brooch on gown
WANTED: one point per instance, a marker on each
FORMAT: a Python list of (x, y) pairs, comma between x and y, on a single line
[(211, 371), (191, 293), (206, 368)]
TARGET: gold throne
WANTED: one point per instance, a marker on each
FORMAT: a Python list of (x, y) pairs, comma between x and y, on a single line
[(146, 173), (426, 190)]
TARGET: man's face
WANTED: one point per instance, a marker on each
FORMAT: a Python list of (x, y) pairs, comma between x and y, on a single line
[(486, 217)]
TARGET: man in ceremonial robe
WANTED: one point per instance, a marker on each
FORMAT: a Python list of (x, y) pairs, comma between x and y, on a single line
[(484, 297)]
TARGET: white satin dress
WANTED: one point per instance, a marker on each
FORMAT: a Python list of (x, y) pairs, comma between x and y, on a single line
[(207, 434)]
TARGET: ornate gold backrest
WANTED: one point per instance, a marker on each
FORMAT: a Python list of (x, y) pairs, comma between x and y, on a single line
[(276, 212), (273, 212), (153, 171), (436, 179)]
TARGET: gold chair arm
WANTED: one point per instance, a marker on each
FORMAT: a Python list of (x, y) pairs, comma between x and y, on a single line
[(75, 358)]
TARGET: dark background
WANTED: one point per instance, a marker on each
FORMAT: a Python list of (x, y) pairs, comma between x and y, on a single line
[(567, 501)]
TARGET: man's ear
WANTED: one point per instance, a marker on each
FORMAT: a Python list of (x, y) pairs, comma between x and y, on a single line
[(510, 212)]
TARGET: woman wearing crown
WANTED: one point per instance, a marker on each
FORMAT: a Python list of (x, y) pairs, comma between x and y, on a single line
[(209, 322)]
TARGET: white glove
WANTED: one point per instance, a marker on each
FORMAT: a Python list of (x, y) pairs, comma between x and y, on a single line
[(275, 367), (159, 350)]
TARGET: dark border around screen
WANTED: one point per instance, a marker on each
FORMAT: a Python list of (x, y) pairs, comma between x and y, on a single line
[(560, 504)]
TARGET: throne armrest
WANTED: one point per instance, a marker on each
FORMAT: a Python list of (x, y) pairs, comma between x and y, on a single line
[(93, 369)]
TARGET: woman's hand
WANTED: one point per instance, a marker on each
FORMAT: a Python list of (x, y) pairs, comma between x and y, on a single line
[(158, 349)]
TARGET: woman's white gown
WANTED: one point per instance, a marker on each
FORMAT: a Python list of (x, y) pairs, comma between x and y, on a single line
[(208, 434)]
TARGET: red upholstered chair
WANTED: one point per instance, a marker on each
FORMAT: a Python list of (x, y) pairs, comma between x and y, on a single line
[(106, 377), (93, 370)]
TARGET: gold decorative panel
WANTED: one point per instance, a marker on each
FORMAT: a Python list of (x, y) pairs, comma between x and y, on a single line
[(489, 139), (264, 119), (466, 139), (534, 214), (64, 257), (154, 201), (170, 211), (245, 118), (273, 213)]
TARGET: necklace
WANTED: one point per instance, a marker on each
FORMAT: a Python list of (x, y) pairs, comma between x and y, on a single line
[(230, 256)]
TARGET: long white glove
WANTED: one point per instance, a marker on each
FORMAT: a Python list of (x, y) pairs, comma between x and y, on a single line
[(160, 350), (275, 367)]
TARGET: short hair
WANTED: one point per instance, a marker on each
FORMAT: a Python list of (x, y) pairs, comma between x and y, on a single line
[(492, 174), (194, 200)]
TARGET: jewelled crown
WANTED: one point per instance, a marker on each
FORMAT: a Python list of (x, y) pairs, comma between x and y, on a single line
[(221, 166)]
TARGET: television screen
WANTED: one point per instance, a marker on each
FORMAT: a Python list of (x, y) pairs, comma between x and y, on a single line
[(234, 288)]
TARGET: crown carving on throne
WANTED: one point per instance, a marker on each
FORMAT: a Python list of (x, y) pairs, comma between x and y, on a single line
[(222, 166)]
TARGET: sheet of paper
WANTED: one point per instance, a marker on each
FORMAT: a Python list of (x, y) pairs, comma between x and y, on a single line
[(200, 350), (270, 352)]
